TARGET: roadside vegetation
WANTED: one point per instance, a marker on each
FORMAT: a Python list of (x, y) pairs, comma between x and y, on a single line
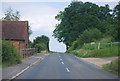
[(91, 50), (113, 67), (10, 54), (41, 43)]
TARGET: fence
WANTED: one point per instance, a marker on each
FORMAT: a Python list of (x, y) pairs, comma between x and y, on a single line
[(27, 52), (102, 45)]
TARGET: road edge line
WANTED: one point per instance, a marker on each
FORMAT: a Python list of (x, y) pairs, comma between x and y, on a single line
[(13, 77)]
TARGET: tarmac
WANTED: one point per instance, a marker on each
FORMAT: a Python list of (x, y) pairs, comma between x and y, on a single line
[(15, 70)]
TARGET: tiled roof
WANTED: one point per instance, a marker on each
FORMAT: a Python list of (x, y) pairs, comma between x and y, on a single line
[(15, 30)]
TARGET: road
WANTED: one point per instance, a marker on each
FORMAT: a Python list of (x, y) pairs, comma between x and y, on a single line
[(64, 66)]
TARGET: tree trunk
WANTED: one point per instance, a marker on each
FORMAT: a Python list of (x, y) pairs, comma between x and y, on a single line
[(67, 47)]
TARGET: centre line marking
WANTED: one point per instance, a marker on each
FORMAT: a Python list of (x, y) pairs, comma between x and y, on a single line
[(62, 62), (61, 59), (67, 70)]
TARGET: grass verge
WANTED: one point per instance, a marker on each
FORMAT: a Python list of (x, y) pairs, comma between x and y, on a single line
[(0, 66), (113, 67), (99, 53), (106, 52)]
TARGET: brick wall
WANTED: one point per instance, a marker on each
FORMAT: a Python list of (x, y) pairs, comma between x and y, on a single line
[(19, 44)]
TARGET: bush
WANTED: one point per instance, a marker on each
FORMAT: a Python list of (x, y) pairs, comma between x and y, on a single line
[(79, 52), (74, 46), (89, 46), (90, 35), (40, 47), (10, 54)]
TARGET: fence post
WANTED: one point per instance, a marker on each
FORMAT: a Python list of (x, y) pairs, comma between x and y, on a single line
[(111, 44), (99, 45)]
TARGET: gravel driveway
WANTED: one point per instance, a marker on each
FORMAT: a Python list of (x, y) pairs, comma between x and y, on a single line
[(99, 61)]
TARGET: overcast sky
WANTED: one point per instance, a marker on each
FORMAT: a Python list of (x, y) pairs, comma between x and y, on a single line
[(41, 16)]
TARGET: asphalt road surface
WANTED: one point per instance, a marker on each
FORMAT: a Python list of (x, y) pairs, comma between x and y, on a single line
[(65, 66)]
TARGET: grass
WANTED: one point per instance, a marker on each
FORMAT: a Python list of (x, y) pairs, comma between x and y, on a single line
[(0, 66), (106, 52), (113, 67), (7, 64), (80, 52)]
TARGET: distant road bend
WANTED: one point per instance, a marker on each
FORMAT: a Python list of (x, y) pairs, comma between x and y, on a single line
[(65, 66)]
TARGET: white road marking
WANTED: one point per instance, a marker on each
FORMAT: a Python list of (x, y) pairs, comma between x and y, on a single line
[(20, 72), (25, 69), (62, 62), (59, 56), (61, 59), (38, 60), (67, 70)]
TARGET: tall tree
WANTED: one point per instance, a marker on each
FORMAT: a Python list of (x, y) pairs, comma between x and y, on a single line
[(42, 40), (11, 15), (78, 17), (117, 19)]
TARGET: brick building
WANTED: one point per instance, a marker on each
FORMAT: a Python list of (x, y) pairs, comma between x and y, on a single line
[(16, 32)]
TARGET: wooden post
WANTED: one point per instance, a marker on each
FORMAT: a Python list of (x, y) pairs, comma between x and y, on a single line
[(111, 44), (99, 45)]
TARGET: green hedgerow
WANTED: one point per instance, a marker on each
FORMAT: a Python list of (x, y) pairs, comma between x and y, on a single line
[(10, 54)]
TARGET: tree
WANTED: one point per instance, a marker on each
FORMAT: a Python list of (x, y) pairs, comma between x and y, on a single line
[(40, 47), (42, 39), (11, 15), (78, 17), (116, 32), (29, 31), (89, 35)]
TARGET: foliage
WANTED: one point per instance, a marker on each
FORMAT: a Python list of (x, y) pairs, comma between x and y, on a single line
[(42, 39), (11, 15), (87, 36), (40, 47), (75, 45), (30, 44), (90, 35), (116, 34), (89, 46), (113, 67), (29, 31), (106, 52), (79, 52), (89, 50), (10, 54), (106, 39), (78, 17)]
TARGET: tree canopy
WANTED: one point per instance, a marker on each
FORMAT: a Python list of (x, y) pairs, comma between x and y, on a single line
[(41, 41), (78, 17), (117, 18), (11, 15)]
